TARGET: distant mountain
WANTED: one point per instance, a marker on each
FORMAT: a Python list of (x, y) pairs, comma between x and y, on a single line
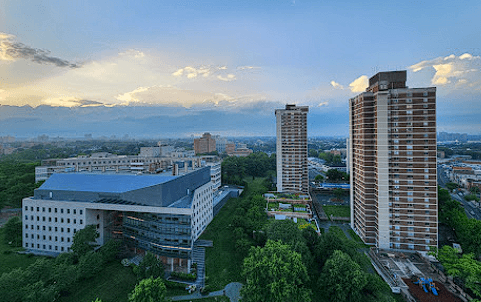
[(156, 121)]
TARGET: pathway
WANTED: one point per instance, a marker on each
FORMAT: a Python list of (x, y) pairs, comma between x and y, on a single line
[(231, 290)]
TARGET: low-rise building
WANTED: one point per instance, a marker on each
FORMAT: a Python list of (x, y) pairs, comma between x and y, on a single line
[(162, 214)]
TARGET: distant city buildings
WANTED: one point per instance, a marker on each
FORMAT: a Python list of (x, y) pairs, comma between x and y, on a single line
[(204, 144), (291, 149), (392, 157)]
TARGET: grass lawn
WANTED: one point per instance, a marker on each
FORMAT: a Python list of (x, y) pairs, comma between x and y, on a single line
[(223, 265), (9, 259), (337, 211), (113, 283)]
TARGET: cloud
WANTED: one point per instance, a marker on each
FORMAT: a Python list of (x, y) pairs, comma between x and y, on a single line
[(173, 96), (360, 84), (457, 70), (70, 102), (230, 77), (247, 67), (192, 72), (133, 53), (336, 85), (323, 104), (10, 50)]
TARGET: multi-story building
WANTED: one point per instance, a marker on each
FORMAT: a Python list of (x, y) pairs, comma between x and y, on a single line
[(392, 158), (291, 149), (204, 144), (162, 214)]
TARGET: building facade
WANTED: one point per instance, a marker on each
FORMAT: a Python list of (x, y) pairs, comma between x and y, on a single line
[(291, 149), (204, 144), (161, 214), (392, 159)]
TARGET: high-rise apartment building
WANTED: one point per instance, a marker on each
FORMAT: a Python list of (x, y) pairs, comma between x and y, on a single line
[(291, 149), (204, 144), (392, 158)]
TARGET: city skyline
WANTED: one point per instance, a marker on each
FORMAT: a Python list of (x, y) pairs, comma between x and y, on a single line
[(118, 67)]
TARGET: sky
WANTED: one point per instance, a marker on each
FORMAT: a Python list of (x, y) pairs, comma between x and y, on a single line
[(176, 68)]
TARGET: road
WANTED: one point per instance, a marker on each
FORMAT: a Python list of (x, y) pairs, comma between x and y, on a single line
[(468, 207)]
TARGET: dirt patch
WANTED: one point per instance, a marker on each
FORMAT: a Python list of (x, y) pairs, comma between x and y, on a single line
[(419, 294)]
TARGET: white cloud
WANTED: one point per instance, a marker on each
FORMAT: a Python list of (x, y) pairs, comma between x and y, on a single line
[(133, 53), (170, 95), (360, 84), (230, 77), (323, 104), (452, 69), (70, 101), (178, 73), (336, 85), (247, 67)]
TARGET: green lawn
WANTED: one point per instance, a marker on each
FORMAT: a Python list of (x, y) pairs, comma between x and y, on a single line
[(223, 265), (337, 211), (9, 259)]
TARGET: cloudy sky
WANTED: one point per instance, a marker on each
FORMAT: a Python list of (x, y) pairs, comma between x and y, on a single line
[(224, 66)]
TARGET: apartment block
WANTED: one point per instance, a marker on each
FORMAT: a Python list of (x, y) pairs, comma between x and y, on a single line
[(392, 163), (291, 149), (204, 144)]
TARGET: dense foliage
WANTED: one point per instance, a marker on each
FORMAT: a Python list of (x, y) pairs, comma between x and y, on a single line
[(149, 290), (17, 181), (13, 231), (45, 279), (258, 164), (468, 233), (275, 273)]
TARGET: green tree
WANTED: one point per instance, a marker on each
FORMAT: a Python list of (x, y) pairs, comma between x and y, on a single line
[(451, 186), (335, 175), (342, 279), (84, 240), (474, 190), (275, 273), (150, 266), (13, 231), (319, 178), (338, 192), (149, 290), (465, 267)]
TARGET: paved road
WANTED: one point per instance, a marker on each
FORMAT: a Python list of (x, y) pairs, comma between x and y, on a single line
[(231, 290), (468, 207)]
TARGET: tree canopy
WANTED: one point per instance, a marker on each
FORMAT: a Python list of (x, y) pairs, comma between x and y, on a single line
[(84, 240), (275, 273), (13, 231), (149, 290)]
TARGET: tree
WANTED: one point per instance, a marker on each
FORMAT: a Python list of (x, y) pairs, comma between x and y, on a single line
[(474, 190), (319, 178), (451, 186), (338, 192), (84, 240), (342, 279), (149, 267), (275, 273), (465, 267), (335, 175), (149, 290), (13, 231)]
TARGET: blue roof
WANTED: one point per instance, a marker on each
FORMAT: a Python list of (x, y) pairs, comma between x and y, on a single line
[(111, 183)]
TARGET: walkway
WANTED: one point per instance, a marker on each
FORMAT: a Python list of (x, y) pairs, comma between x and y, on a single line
[(231, 290)]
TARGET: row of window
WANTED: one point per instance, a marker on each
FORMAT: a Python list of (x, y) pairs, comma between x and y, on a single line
[(62, 220), (55, 210), (44, 237), (44, 246), (44, 228)]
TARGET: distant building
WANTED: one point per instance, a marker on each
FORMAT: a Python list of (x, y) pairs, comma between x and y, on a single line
[(161, 214), (291, 149), (230, 148), (220, 144), (392, 157), (204, 144)]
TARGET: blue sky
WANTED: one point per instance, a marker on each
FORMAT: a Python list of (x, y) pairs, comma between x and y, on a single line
[(235, 56)]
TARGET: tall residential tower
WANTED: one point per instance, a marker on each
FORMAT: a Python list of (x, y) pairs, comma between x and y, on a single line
[(392, 158), (291, 149)]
